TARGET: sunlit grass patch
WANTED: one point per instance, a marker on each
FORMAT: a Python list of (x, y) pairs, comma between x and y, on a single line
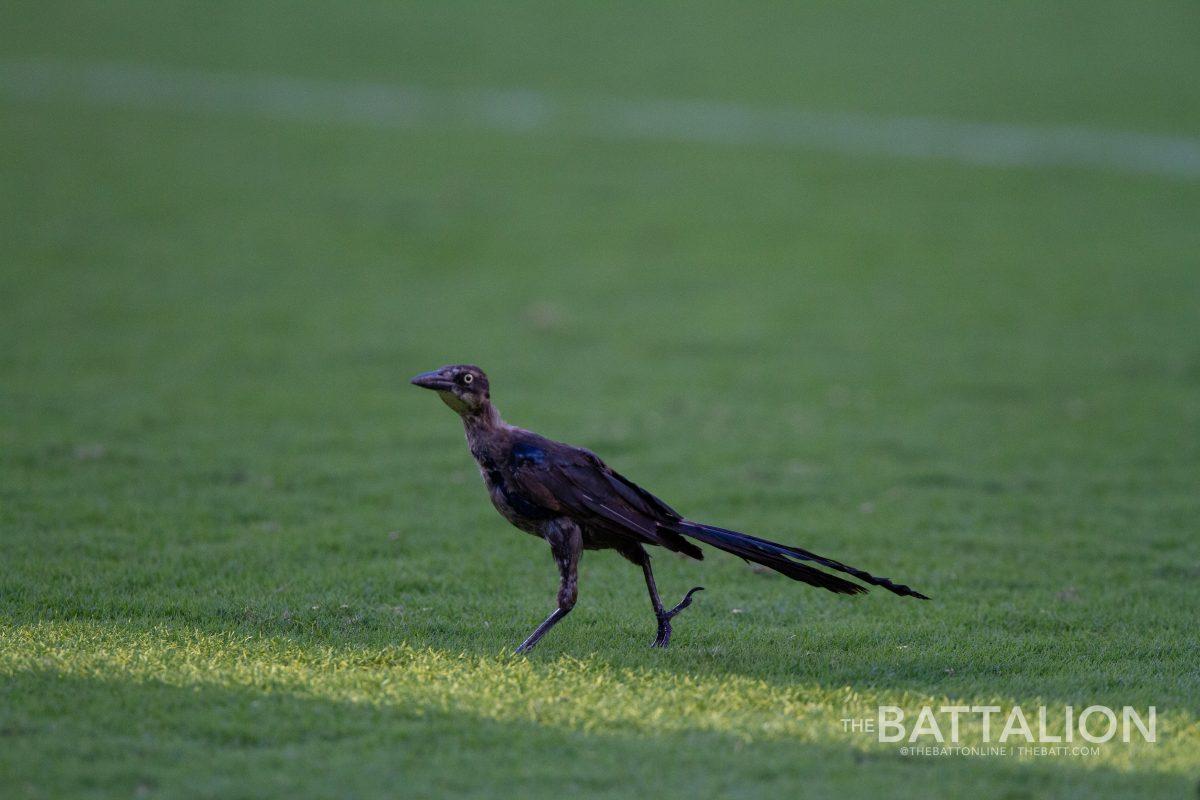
[(582, 694)]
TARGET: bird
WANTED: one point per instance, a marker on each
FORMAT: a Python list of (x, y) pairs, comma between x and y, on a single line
[(574, 501)]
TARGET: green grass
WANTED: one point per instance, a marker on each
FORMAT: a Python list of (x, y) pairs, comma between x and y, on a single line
[(240, 557)]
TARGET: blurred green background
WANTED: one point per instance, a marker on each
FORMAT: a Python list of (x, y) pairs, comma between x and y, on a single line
[(242, 557)]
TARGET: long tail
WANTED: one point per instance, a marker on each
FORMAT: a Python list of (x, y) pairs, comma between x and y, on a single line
[(783, 559)]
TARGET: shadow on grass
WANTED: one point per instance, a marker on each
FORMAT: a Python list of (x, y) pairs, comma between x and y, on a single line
[(61, 735)]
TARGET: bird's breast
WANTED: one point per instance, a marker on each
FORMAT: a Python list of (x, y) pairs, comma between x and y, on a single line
[(512, 503)]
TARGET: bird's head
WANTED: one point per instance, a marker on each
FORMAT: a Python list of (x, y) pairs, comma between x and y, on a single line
[(463, 387)]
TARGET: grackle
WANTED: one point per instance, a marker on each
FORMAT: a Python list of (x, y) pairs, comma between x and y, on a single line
[(569, 497)]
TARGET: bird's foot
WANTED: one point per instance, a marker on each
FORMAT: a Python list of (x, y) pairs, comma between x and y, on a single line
[(664, 634), (664, 619)]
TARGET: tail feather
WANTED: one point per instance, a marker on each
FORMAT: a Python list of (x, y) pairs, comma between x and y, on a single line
[(783, 559)]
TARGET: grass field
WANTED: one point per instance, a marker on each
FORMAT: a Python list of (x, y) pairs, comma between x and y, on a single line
[(241, 557)]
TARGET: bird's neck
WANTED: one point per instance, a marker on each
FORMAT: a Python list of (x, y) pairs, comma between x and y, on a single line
[(482, 421)]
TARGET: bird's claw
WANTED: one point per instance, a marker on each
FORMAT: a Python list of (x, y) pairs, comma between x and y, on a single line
[(664, 619), (685, 602)]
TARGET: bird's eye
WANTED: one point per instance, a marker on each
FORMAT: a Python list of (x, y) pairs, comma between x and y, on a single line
[(468, 378)]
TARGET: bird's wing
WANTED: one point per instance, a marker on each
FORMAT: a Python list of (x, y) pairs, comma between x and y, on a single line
[(578, 483)]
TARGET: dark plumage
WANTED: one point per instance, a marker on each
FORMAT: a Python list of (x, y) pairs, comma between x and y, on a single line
[(569, 497)]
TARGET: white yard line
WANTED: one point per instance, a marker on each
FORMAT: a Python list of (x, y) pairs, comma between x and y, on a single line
[(535, 112)]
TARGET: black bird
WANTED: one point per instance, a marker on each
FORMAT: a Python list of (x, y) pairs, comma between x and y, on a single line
[(569, 497)]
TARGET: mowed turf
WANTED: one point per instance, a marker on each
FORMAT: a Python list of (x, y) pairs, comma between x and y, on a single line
[(241, 557)]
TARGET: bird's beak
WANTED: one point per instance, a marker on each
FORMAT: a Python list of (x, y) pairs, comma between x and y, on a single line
[(432, 380)]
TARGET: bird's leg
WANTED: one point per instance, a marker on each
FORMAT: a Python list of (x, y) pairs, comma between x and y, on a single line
[(540, 630), (664, 616), (566, 544)]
